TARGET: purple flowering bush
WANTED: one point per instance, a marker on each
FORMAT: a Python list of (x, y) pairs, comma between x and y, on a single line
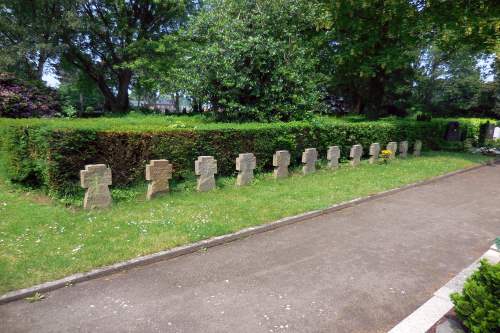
[(24, 100)]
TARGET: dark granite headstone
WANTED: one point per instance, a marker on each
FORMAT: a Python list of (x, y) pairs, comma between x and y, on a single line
[(453, 132)]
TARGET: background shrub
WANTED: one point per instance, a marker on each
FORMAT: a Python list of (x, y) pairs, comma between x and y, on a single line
[(478, 305), (22, 100), (50, 153)]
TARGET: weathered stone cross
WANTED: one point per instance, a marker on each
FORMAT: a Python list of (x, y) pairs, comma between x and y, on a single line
[(403, 149), (355, 154), (96, 178), (374, 152), (245, 164), (206, 168), (417, 148), (393, 147), (281, 161), (158, 172), (333, 155), (309, 158)]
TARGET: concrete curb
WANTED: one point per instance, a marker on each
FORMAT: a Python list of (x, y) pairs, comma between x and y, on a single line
[(215, 241), (429, 313)]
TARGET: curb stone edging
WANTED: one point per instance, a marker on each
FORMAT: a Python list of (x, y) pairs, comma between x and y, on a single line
[(211, 242), (429, 313)]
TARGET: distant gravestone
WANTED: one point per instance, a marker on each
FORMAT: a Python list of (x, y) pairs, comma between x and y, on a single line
[(205, 168), (374, 152), (403, 149), (417, 148), (393, 147), (96, 178), (158, 173), (453, 131), (245, 164), (496, 133), (356, 153), (309, 158), (281, 161), (333, 156)]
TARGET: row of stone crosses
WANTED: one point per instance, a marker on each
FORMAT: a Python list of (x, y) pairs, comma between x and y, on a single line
[(97, 177)]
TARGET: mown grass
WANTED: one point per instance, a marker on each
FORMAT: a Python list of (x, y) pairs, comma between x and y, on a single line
[(42, 240)]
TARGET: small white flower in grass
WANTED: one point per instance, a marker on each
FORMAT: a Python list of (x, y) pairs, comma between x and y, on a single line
[(76, 249)]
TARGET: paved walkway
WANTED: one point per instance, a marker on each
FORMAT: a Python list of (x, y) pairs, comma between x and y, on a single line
[(362, 269)]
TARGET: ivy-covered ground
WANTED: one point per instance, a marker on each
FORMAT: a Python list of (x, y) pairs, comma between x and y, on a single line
[(41, 240)]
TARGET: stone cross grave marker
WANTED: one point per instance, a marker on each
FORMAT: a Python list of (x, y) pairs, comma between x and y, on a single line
[(281, 161), (403, 149), (158, 173), (356, 153), (309, 158), (96, 178), (205, 167), (417, 148), (393, 147), (374, 152), (245, 164), (333, 156)]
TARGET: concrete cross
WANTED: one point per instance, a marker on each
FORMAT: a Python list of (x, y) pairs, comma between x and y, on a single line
[(333, 155), (355, 154), (403, 149), (158, 172), (393, 147), (374, 152), (417, 148), (96, 178), (205, 167), (245, 164), (281, 161), (309, 158)]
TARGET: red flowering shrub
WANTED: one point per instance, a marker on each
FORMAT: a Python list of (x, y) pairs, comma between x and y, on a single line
[(23, 100)]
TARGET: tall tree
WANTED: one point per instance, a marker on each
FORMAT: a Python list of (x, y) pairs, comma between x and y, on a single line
[(371, 45), (101, 37), (28, 38)]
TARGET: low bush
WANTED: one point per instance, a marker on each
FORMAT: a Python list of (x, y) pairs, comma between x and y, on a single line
[(22, 100), (478, 305), (50, 153)]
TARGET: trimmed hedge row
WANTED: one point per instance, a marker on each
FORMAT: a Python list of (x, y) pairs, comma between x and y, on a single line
[(52, 157)]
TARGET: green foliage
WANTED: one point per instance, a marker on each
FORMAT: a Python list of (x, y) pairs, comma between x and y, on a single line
[(51, 153), (478, 305), (251, 60)]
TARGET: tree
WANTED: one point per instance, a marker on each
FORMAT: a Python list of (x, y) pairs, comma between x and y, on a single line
[(28, 38), (101, 37), (370, 46), (249, 60)]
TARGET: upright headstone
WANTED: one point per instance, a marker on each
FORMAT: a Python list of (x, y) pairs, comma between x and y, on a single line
[(205, 167), (403, 149), (96, 178), (281, 161), (158, 173), (309, 158), (417, 148), (333, 155), (393, 147), (489, 131), (496, 133), (356, 153), (374, 152), (453, 132), (245, 164)]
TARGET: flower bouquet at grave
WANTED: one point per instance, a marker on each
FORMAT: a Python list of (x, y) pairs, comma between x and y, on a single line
[(385, 156)]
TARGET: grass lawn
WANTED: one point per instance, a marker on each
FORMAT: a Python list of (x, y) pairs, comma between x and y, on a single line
[(41, 240)]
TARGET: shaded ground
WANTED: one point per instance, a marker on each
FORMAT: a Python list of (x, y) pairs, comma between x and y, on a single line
[(362, 269)]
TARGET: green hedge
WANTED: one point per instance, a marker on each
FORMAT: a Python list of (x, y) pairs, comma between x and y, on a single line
[(41, 154)]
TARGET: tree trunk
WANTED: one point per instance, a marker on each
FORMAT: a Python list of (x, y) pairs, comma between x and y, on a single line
[(120, 102), (177, 103), (376, 91)]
